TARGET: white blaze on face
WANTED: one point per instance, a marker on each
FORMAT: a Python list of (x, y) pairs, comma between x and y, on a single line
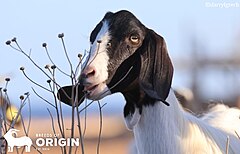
[(97, 60), (98, 57)]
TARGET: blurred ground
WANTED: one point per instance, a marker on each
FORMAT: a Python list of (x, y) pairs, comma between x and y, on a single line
[(115, 138)]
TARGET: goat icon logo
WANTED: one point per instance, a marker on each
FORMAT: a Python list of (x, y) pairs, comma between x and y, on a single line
[(19, 142)]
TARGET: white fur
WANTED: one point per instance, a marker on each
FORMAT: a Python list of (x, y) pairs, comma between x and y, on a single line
[(132, 120), (98, 60), (170, 130), (98, 57)]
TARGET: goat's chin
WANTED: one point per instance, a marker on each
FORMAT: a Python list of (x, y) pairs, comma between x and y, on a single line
[(99, 92)]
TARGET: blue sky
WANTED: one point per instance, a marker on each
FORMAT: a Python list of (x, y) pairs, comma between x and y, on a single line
[(35, 22)]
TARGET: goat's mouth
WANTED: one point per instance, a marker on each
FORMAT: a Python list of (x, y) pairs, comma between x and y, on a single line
[(92, 92), (88, 89), (96, 91)]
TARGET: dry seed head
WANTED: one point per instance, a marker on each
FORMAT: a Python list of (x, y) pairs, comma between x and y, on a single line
[(7, 79), (8, 42), (4, 90), (53, 66), (44, 45), (48, 81), (21, 97), (26, 93), (22, 68), (80, 56), (61, 35), (47, 66), (14, 39)]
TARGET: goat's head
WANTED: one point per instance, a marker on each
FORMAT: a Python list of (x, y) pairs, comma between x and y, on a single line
[(126, 57)]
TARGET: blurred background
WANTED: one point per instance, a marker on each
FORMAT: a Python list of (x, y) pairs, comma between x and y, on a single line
[(203, 39)]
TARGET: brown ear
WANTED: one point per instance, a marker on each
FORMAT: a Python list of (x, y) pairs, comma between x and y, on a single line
[(156, 67), (68, 94)]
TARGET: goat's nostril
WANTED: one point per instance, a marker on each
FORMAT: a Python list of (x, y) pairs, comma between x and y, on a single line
[(87, 74), (91, 73)]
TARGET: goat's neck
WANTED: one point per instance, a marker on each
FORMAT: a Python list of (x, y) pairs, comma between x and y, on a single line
[(157, 128)]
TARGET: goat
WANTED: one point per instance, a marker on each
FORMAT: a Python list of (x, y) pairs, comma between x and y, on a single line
[(21, 141), (127, 57)]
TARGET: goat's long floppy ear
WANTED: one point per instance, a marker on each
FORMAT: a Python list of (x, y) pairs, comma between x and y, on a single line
[(156, 67), (67, 94)]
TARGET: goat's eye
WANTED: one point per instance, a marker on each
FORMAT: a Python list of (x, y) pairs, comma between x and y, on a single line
[(134, 39)]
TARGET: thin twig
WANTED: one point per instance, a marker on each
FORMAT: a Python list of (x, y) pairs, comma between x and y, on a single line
[(43, 98), (72, 119), (66, 54), (36, 149), (54, 87), (53, 127), (49, 57), (19, 112), (33, 62), (237, 134), (4, 108), (80, 62), (100, 126), (35, 82), (227, 145), (85, 120), (80, 131), (26, 130), (30, 115), (57, 111)]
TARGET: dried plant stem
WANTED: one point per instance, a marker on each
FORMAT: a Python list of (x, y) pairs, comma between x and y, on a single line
[(33, 62), (72, 130), (25, 54), (237, 134), (35, 82), (56, 102), (59, 116), (26, 130), (63, 149), (30, 115), (36, 149), (4, 108), (227, 145), (100, 126), (80, 63), (66, 54), (43, 98), (80, 132), (79, 124), (49, 57), (19, 112), (85, 120)]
